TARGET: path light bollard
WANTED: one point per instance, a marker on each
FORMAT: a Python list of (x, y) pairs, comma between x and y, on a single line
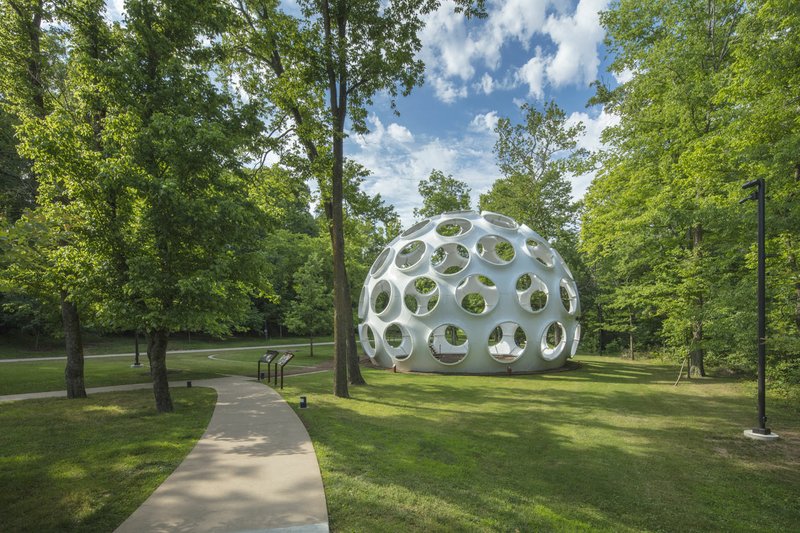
[(303, 402), (188, 384)]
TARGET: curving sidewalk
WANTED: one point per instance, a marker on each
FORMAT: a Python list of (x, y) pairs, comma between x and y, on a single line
[(253, 470)]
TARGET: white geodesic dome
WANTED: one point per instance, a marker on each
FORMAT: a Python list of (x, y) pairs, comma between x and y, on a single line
[(469, 293)]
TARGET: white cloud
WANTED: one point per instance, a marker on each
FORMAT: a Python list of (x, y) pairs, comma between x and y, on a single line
[(399, 133), (375, 135), (509, 20), (624, 77), (446, 91), (487, 83), (398, 167), (484, 122), (115, 9), (532, 74), (452, 46), (447, 47), (590, 140), (577, 37)]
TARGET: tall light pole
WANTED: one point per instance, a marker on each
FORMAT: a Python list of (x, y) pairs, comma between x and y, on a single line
[(762, 432)]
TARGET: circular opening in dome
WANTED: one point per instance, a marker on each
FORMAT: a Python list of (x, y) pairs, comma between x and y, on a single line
[(531, 293), (398, 341), (477, 294), (495, 249), (381, 262), (569, 296), (410, 255), (541, 252), (381, 297), (553, 341), (367, 337), (450, 258), (448, 344), (421, 296), (575, 341), (501, 221), (362, 303), (473, 303), (415, 228), (453, 227), (485, 281), (507, 341), (538, 300)]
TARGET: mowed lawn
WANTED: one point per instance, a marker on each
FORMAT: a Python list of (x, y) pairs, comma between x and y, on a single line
[(36, 375), (613, 446), (86, 465)]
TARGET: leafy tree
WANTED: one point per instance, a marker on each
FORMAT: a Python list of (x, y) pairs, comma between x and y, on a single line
[(326, 67), (31, 70), (175, 241), (310, 313), (662, 172), (535, 158), (17, 184), (441, 193), (762, 139)]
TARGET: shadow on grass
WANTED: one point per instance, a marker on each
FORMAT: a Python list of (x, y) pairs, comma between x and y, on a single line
[(612, 446)]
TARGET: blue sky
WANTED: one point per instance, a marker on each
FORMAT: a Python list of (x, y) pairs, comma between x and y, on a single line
[(476, 71)]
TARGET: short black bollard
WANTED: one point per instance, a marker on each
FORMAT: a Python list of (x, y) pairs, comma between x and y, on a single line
[(262, 376), (303, 402), (188, 384)]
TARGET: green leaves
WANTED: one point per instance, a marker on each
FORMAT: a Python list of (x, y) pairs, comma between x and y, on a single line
[(441, 193), (535, 158), (706, 109)]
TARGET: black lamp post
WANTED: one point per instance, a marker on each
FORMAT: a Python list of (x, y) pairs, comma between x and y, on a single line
[(762, 431)]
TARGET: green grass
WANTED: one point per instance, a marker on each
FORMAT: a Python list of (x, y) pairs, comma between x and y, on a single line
[(40, 376), (86, 465), (613, 446), (16, 346)]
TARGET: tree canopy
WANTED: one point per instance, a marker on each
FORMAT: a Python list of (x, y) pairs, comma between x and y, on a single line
[(442, 193)]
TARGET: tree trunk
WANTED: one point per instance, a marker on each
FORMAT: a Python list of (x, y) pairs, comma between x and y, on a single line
[(601, 340), (341, 296), (697, 352), (157, 353), (630, 335), (793, 265), (73, 373), (353, 368)]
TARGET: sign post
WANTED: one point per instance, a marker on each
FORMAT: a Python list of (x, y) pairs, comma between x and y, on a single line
[(266, 358), (282, 363)]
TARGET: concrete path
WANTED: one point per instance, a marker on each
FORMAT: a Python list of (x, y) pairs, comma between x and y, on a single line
[(144, 356), (254, 469)]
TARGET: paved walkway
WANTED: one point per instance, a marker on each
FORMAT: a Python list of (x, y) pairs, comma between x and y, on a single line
[(254, 469), (144, 355)]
